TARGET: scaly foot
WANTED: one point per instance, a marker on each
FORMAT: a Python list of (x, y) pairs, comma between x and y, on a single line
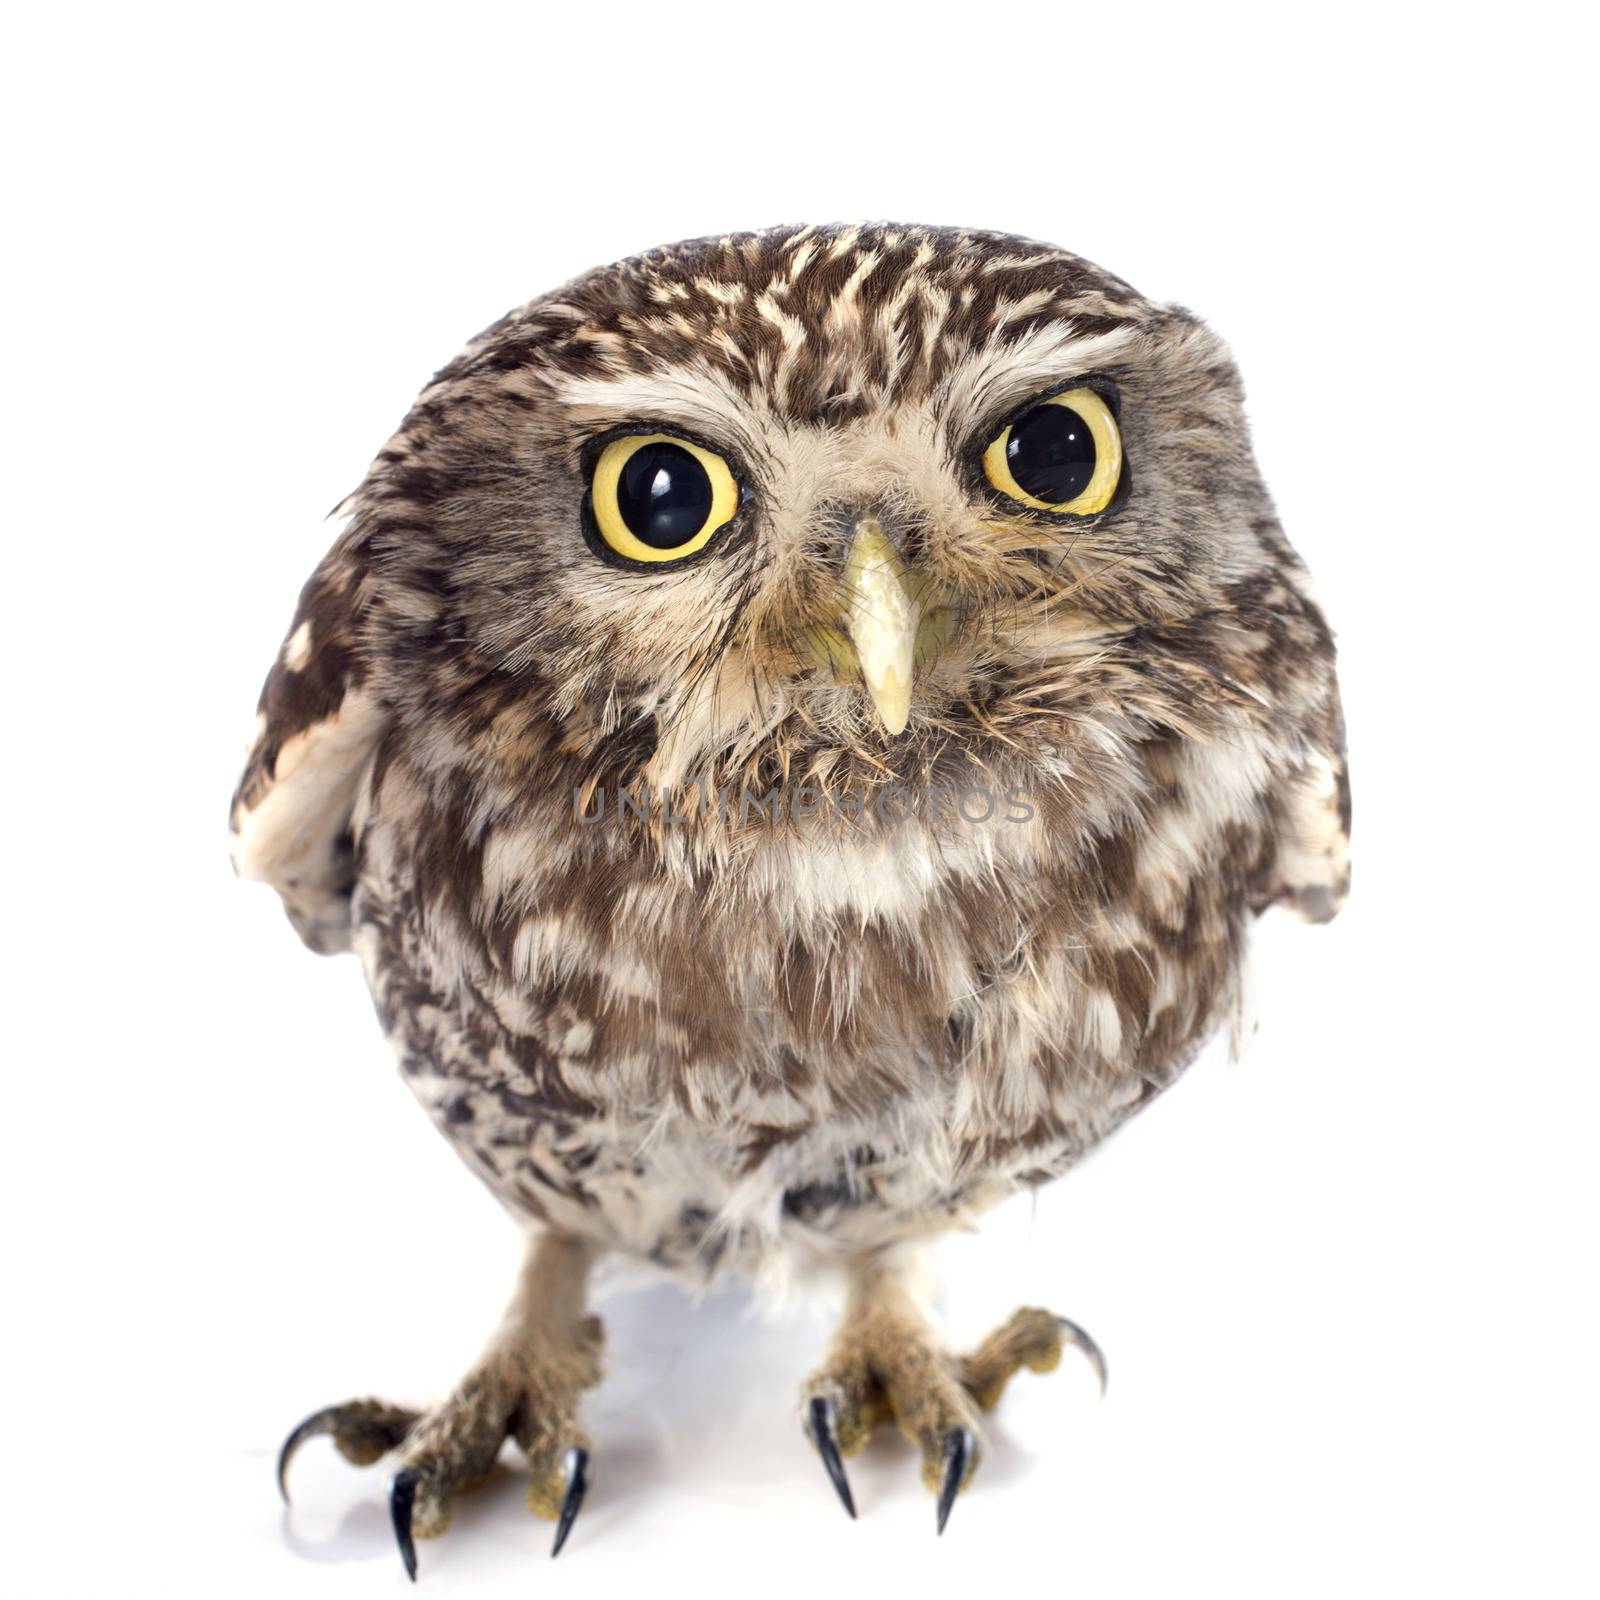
[(526, 1387), (887, 1365)]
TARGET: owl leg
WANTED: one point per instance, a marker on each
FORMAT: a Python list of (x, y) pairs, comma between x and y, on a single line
[(887, 1364), (526, 1385)]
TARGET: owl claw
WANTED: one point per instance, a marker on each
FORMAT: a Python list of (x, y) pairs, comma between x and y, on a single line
[(577, 1475), (825, 1435), (363, 1430), (402, 1496), (960, 1445), (318, 1422), (1072, 1334)]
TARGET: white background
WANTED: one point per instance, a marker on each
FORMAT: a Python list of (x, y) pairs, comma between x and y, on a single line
[(1346, 1287)]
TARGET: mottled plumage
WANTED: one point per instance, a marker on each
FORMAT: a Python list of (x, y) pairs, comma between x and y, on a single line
[(790, 1001)]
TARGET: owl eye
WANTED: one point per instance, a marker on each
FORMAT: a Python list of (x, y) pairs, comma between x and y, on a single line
[(657, 498), (1064, 454)]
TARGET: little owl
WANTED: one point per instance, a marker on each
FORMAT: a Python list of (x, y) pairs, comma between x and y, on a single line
[(797, 727)]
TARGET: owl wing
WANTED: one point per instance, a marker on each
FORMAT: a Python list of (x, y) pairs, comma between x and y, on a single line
[(1312, 870), (318, 726), (1308, 796)]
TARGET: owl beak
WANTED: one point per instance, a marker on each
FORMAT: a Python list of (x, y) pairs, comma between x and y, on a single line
[(881, 619)]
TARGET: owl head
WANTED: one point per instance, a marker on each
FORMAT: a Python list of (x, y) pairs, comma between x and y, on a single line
[(844, 506)]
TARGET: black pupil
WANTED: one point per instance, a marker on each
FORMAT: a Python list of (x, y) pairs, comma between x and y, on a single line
[(1051, 454), (664, 496)]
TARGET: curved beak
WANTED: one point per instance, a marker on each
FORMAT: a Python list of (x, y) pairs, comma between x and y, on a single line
[(882, 620)]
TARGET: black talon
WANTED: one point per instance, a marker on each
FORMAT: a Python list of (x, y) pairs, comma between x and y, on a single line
[(1092, 1352), (577, 1471), (402, 1495), (318, 1422), (825, 1435), (958, 1449)]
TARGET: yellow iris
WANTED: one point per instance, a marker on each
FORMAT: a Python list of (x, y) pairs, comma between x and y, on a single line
[(613, 526), (1096, 494)]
